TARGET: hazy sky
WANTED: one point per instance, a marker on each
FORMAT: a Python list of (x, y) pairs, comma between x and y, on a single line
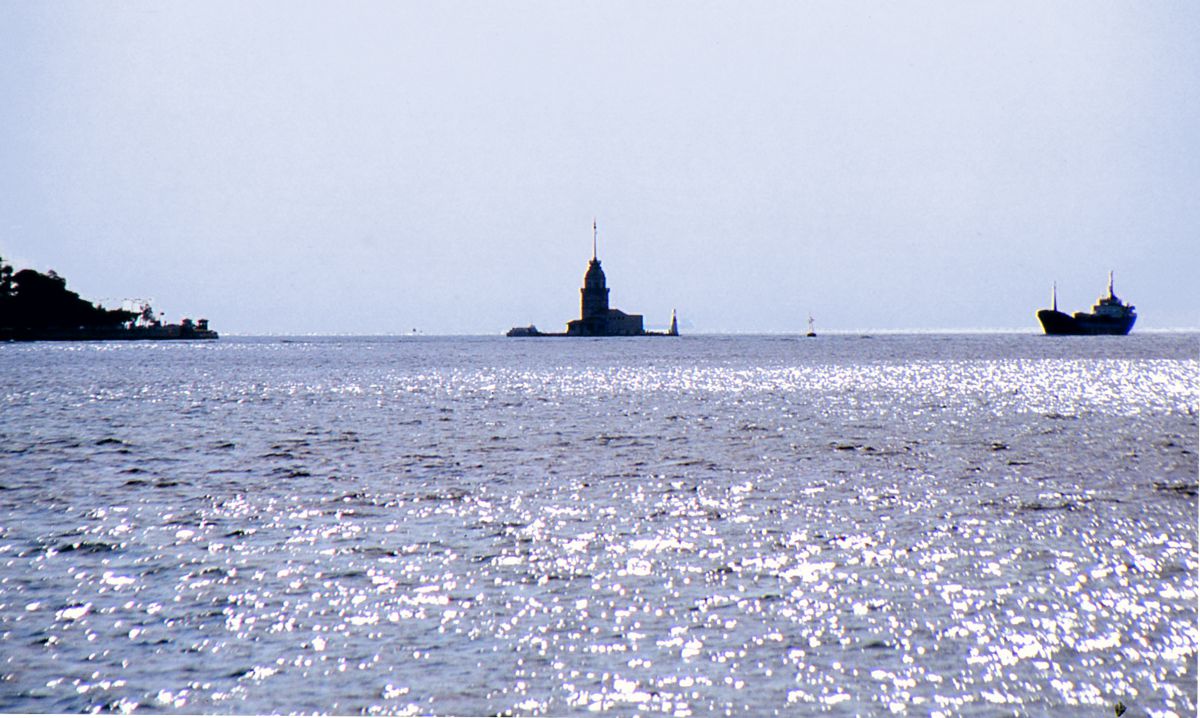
[(371, 167)]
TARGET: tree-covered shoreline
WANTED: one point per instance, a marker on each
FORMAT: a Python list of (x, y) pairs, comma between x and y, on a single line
[(32, 301), (36, 306)]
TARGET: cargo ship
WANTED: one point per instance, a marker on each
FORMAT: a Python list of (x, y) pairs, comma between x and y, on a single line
[(1109, 316)]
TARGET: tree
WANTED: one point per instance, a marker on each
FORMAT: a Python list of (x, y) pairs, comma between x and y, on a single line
[(6, 272), (38, 302)]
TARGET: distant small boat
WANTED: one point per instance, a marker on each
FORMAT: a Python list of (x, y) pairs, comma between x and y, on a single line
[(529, 331), (811, 331), (1109, 316)]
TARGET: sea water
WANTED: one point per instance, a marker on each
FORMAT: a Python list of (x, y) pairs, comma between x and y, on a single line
[(848, 525)]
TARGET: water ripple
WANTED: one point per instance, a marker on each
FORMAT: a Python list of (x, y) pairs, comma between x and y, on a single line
[(927, 526)]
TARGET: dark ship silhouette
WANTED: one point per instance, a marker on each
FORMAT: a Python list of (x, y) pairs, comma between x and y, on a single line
[(39, 307), (1109, 316), (596, 317)]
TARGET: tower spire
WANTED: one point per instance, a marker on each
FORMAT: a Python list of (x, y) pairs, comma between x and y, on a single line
[(594, 232)]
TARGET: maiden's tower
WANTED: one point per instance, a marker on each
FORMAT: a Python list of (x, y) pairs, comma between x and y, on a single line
[(596, 317)]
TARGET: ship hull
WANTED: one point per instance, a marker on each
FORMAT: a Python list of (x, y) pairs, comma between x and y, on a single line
[(1060, 324)]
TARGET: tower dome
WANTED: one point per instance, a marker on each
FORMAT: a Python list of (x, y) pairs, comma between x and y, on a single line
[(594, 292), (594, 278), (594, 301)]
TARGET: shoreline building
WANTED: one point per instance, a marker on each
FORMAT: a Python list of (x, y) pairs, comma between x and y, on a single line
[(596, 317)]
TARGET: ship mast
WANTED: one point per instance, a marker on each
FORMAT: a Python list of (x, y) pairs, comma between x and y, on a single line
[(1110, 284), (593, 239), (1054, 296)]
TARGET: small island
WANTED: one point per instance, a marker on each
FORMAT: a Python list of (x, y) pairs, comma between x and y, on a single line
[(596, 318), (39, 307)]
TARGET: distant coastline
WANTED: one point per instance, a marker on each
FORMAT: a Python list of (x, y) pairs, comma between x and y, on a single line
[(39, 307)]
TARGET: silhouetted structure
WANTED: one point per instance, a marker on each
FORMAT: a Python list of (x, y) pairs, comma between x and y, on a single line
[(36, 306), (1109, 316), (596, 317)]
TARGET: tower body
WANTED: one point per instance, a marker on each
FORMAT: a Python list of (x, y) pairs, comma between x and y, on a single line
[(594, 294)]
